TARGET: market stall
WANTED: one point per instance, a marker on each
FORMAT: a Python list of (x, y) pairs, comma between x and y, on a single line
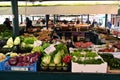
[(42, 55)]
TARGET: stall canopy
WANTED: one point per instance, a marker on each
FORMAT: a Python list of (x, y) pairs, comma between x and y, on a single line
[(84, 9), (61, 7)]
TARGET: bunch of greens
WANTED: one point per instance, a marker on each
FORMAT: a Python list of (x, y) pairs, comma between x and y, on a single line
[(114, 63), (90, 61), (29, 40), (85, 57), (61, 47), (6, 34)]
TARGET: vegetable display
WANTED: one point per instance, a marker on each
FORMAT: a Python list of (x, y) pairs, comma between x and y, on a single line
[(23, 59), (113, 63), (54, 55), (85, 57), (58, 60), (83, 44)]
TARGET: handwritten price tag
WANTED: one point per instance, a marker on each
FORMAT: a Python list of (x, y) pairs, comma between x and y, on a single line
[(50, 49), (37, 43)]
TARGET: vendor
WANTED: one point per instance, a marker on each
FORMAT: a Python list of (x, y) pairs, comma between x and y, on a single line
[(78, 21), (94, 23), (7, 23), (109, 25), (50, 24), (118, 24), (88, 22), (28, 23)]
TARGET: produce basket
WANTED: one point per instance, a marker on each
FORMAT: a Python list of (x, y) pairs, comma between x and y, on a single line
[(32, 67)]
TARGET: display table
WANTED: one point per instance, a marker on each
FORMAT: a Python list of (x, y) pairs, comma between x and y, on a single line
[(57, 76), (79, 26)]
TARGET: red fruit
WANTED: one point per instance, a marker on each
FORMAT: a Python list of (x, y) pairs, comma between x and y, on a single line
[(111, 50), (66, 59), (106, 50)]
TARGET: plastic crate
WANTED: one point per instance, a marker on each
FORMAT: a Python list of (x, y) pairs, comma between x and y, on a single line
[(55, 68), (2, 64), (32, 68)]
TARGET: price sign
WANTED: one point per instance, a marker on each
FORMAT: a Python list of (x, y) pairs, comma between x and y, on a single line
[(19, 68), (37, 43), (50, 49), (58, 42)]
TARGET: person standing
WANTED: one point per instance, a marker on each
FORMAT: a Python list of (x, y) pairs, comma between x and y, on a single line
[(109, 26), (88, 22), (7, 23), (94, 23), (118, 24), (28, 23)]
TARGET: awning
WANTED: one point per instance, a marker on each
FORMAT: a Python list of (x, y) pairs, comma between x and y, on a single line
[(83, 9)]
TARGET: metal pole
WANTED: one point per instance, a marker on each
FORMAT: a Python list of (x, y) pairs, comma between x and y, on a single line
[(106, 19), (47, 19), (88, 17), (21, 18), (33, 18), (54, 18), (82, 18), (14, 4)]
